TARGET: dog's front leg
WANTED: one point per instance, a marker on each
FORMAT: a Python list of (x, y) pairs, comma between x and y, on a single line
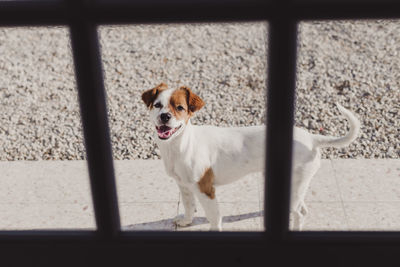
[(211, 209), (189, 205)]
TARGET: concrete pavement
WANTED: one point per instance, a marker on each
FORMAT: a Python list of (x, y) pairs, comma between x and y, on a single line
[(346, 194)]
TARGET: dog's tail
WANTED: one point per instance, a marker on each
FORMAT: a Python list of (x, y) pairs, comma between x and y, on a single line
[(330, 141)]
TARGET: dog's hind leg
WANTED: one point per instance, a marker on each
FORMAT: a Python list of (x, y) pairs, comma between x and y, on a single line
[(189, 205), (298, 214), (297, 220), (298, 209), (301, 178)]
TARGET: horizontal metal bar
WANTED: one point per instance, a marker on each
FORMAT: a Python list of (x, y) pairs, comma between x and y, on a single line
[(20, 13), (109, 12), (39, 236), (236, 251), (136, 253), (142, 237), (341, 10), (326, 238), (106, 12), (358, 238), (31, 13)]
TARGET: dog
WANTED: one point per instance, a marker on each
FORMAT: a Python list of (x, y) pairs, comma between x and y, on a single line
[(200, 158)]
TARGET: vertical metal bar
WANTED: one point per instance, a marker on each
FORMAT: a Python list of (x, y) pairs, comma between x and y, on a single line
[(280, 98), (88, 71)]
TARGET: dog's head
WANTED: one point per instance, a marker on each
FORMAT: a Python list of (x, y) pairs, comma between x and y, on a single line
[(170, 110)]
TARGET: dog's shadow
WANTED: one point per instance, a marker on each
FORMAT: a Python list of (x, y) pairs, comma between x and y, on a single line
[(169, 225)]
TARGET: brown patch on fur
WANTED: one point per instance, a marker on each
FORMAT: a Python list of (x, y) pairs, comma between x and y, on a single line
[(179, 98), (195, 103), (150, 95), (206, 183), (189, 101)]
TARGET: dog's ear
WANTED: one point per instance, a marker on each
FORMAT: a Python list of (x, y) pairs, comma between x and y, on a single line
[(150, 95), (194, 101)]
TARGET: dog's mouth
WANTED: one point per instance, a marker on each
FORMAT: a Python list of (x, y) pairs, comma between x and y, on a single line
[(165, 132)]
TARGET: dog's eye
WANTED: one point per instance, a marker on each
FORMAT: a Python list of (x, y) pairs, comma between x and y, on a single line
[(157, 105), (180, 108)]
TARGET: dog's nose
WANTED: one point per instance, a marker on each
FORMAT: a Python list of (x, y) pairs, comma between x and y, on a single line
[(165, 117)]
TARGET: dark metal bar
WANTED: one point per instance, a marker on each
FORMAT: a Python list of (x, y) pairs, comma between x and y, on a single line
[(280, 97), (328, 238), (46, 248), (233, 252), (353, 9), (156, 11), (31, 13), (92, 99)]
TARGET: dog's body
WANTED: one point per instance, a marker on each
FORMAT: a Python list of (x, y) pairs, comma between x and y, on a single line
[(201, 157)]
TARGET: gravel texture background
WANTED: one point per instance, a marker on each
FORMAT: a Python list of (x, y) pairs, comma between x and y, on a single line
[(354, 63)]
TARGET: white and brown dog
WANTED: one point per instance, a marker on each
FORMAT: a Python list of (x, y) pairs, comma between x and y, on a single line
[(202, 157)]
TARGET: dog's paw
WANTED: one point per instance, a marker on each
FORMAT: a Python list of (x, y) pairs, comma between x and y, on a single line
[(216, 228), (182, 221)]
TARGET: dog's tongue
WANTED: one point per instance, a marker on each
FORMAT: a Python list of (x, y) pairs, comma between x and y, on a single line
[(164, 131)]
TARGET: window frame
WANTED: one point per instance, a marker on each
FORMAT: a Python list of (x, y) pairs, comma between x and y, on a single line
[(108, 244)]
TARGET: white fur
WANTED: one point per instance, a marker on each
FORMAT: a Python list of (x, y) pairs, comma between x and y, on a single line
[(233, 153)]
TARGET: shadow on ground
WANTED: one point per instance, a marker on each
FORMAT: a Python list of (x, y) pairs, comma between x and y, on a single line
[(169, 225)]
